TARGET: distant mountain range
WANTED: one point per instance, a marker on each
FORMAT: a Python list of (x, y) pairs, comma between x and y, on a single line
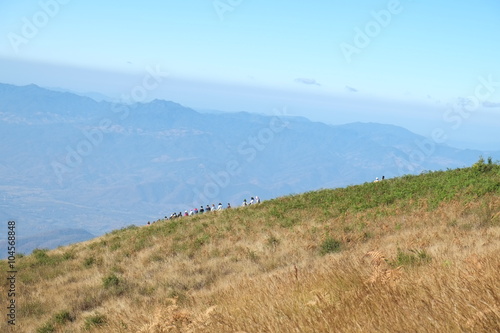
[(71, 162), (48, 240)]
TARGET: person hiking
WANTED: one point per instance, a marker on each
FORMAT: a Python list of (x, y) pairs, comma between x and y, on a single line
[(228, 206), (244, 202), (257, 199), (219, 207), (207, 209), (251, 201)]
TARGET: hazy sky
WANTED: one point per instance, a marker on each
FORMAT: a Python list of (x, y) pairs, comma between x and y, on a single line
[(411, 63)]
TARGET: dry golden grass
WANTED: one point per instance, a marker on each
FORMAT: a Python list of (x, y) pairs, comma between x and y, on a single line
[(399, 269), (344, 293)]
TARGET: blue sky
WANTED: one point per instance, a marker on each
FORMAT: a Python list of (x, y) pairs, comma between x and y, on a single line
[(405, 62)]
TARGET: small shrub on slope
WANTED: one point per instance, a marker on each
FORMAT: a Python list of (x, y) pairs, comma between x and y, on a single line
[(330, 245)]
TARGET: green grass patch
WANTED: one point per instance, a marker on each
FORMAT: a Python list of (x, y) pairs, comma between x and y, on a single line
[(63, 317), (330, 245), (41, 257), (410, 258), (68, 255), (110, 281), (46, 328), (89, 262), (94, 321), (200, 241)]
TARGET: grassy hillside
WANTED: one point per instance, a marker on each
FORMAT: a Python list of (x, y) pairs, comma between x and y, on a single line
[(412, 254)]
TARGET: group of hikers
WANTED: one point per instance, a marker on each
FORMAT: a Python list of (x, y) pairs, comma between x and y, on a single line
[(209, 208), (220, 207)]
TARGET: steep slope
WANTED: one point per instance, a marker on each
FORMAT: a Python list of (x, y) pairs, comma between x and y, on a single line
[(416, 253)]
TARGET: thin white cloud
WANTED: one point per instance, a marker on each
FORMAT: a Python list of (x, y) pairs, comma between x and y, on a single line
[(307, 81)]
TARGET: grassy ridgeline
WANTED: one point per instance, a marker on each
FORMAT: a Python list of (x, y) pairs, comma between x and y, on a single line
[(416, 253)]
